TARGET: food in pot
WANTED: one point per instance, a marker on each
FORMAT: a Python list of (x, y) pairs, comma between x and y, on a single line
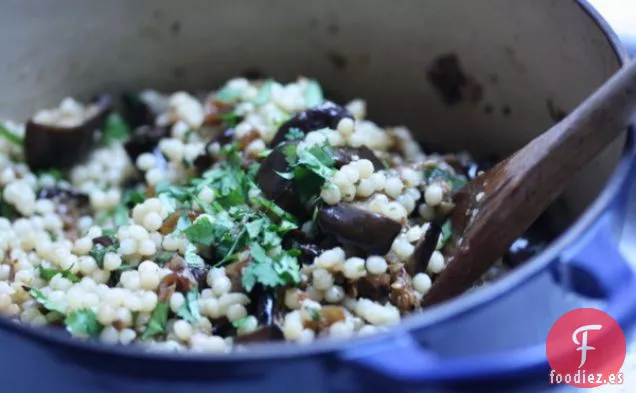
[(257, 212)]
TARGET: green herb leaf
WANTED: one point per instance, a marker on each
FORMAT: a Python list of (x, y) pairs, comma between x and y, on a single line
[(192, 258), (54, 173), (201, 232), (318, 160), (169, 202), (255, 227), (432, 174), (47, 274), (181, 194), (238, 324), (314, 314), (83, 322), (264, 153), (313, 94), (164, 257), (230, 119), (189, 311), (120, 216), (44, 301), (275, 209), (10, 136), (268, 271), (253, 170), (447, 231), (115, 129), (291, 153), (294, 133), (228, 95), (157, 323), (131, 198), (98, 252), (264, 93)]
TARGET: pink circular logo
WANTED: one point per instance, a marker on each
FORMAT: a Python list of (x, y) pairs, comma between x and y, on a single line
[(586, 348)]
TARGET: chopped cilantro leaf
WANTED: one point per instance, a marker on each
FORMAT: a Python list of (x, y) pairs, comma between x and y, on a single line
[(48, 274), (230, 119), (314, 314), (313, 94), (253, 170), (98, 252), (192, 258), (157, 323), (169, 202), (290, 151), (264, 93), (447, 231), (120, 215), (436, 173), (228, 95), (238, 324), (294, 133), (164, 257), (132, 198), (10, 136), (45, 302), (268, 271), (54, 173), (110, 232), (201, 232), (181, 194), (189, 311), (264, 153), (254, 228), (115, 129), (318, 160), (83, 322)]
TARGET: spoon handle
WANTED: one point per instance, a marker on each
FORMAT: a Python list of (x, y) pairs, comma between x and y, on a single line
[(517, 190)]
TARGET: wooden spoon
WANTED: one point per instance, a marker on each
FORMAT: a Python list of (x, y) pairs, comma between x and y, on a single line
[(497, 207)]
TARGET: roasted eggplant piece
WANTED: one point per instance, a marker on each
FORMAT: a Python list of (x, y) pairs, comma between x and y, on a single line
[(48, 144), (418, 262), (280, 190), (374, 287), (262, 334), (144, 139), (371, 232), (344, 155), (325, 115), (298, 239), (136, 112), (265, 306)]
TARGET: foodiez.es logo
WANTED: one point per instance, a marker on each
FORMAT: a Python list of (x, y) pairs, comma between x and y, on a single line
[(586, 348)]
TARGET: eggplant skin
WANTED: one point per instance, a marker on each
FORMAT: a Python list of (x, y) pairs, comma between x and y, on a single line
[(144, 139), (345, 155), (325, 115), (48, 146), (278, 189), (371, 232)]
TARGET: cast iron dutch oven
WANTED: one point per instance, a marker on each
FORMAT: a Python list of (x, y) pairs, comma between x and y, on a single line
[(524, 64)]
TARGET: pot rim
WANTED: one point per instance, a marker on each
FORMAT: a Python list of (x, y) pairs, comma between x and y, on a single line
[(436, 314)]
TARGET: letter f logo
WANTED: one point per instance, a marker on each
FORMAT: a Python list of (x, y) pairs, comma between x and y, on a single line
[(583, 344)]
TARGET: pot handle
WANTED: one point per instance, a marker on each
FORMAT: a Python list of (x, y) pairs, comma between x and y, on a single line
[(593, 266)]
